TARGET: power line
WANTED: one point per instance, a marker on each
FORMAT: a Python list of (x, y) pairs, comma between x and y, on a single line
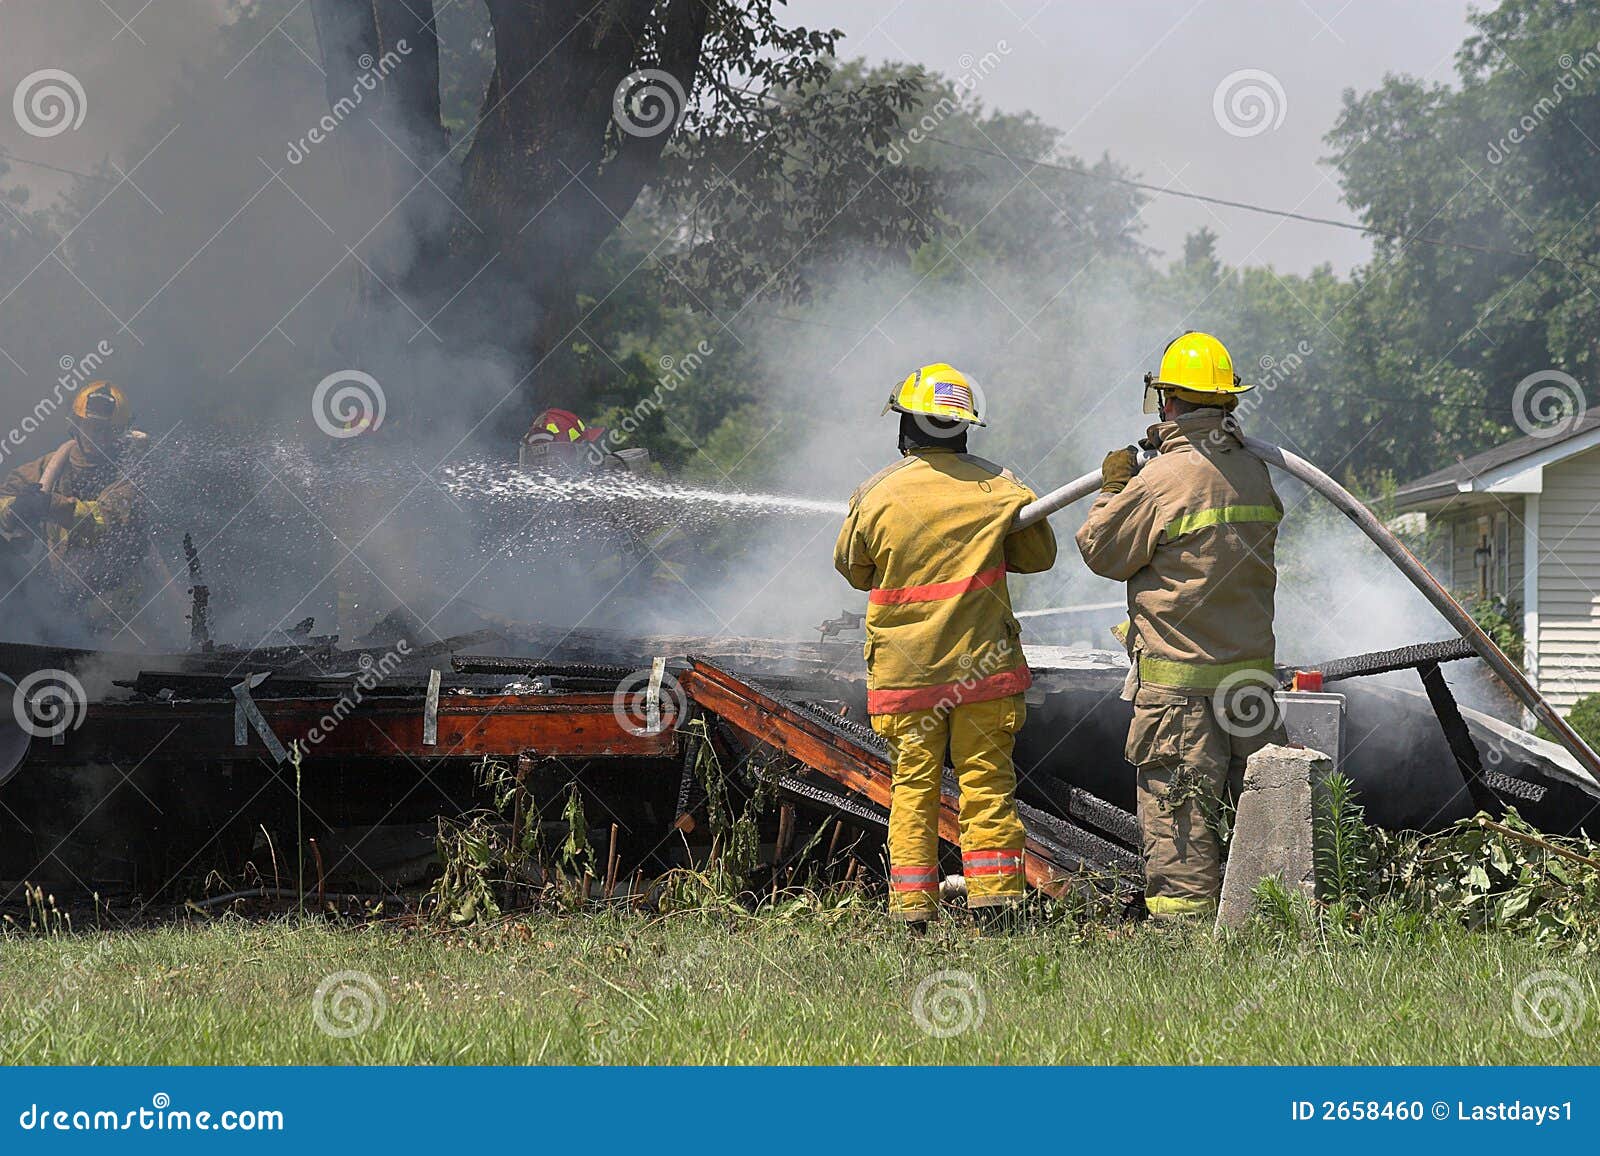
[(1247, 206), (1164, 191), (14, 158), (1127, 182)]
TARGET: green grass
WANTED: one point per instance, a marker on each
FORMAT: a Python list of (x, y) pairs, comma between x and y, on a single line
[(809, 989)]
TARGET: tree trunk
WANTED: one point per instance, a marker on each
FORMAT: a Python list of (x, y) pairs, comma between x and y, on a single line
[(381, 60), (548, 176)]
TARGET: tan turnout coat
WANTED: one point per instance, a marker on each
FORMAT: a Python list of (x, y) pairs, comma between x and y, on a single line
[(1193, 536)]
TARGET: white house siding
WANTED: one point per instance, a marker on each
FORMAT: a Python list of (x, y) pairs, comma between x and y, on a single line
[(1569, 580)]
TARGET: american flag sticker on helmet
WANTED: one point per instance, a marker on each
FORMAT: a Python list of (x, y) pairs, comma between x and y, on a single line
[(952, 393)]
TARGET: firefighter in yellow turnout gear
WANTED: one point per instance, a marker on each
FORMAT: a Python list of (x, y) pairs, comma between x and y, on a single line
[(929, 539), (80, 504), (1192, 534)]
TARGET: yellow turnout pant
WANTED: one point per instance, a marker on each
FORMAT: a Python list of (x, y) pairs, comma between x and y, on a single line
[(979, 737)]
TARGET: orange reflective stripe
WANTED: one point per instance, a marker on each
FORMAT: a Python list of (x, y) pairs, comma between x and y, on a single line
[(991, 862), (936, 591), (950, 694), (913, 879)]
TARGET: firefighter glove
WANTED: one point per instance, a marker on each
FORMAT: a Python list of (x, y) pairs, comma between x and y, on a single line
[(63, 511), (31, 506), (1118, 470)]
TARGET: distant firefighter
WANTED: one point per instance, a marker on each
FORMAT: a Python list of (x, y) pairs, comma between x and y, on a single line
[(79, 503), (559, 441)]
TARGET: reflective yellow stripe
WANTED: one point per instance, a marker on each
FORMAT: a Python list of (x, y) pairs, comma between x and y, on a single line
[(90, 511), (1171, 905), (1199, 675), (1199, 520), (1120, 631)]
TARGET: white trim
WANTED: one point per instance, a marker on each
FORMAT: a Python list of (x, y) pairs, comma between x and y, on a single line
[(1530, 481), (1530, 594), (1502, 548), (1523, 476), (1450, 554)]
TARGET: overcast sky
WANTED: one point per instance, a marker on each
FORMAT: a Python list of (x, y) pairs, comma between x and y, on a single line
[(1136, 78)]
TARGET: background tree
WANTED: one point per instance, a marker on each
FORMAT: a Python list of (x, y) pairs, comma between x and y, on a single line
[(722, 94), (1505, 160)]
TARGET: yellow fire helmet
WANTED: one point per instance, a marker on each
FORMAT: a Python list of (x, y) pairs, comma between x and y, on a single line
[(1198, 368), (937, 390), (102, 401)]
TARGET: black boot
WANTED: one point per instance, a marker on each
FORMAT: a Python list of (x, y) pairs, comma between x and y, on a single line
[(999, 919)]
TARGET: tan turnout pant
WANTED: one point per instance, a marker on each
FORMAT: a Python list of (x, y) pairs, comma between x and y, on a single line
[(1190, 754)]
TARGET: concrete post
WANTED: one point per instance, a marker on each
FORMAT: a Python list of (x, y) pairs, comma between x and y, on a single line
[(1273, 831)]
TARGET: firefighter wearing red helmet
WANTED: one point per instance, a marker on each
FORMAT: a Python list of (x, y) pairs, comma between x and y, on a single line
[(560, 441)]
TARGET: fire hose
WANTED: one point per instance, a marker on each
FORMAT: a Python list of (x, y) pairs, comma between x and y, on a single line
[(1406, 562)]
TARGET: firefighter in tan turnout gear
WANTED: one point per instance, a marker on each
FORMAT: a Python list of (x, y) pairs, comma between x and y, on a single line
[(79, 503), (1192, 534), (929, 539)]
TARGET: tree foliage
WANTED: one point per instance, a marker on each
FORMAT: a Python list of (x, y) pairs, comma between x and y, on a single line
[(799, 203), (1504, 160)]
